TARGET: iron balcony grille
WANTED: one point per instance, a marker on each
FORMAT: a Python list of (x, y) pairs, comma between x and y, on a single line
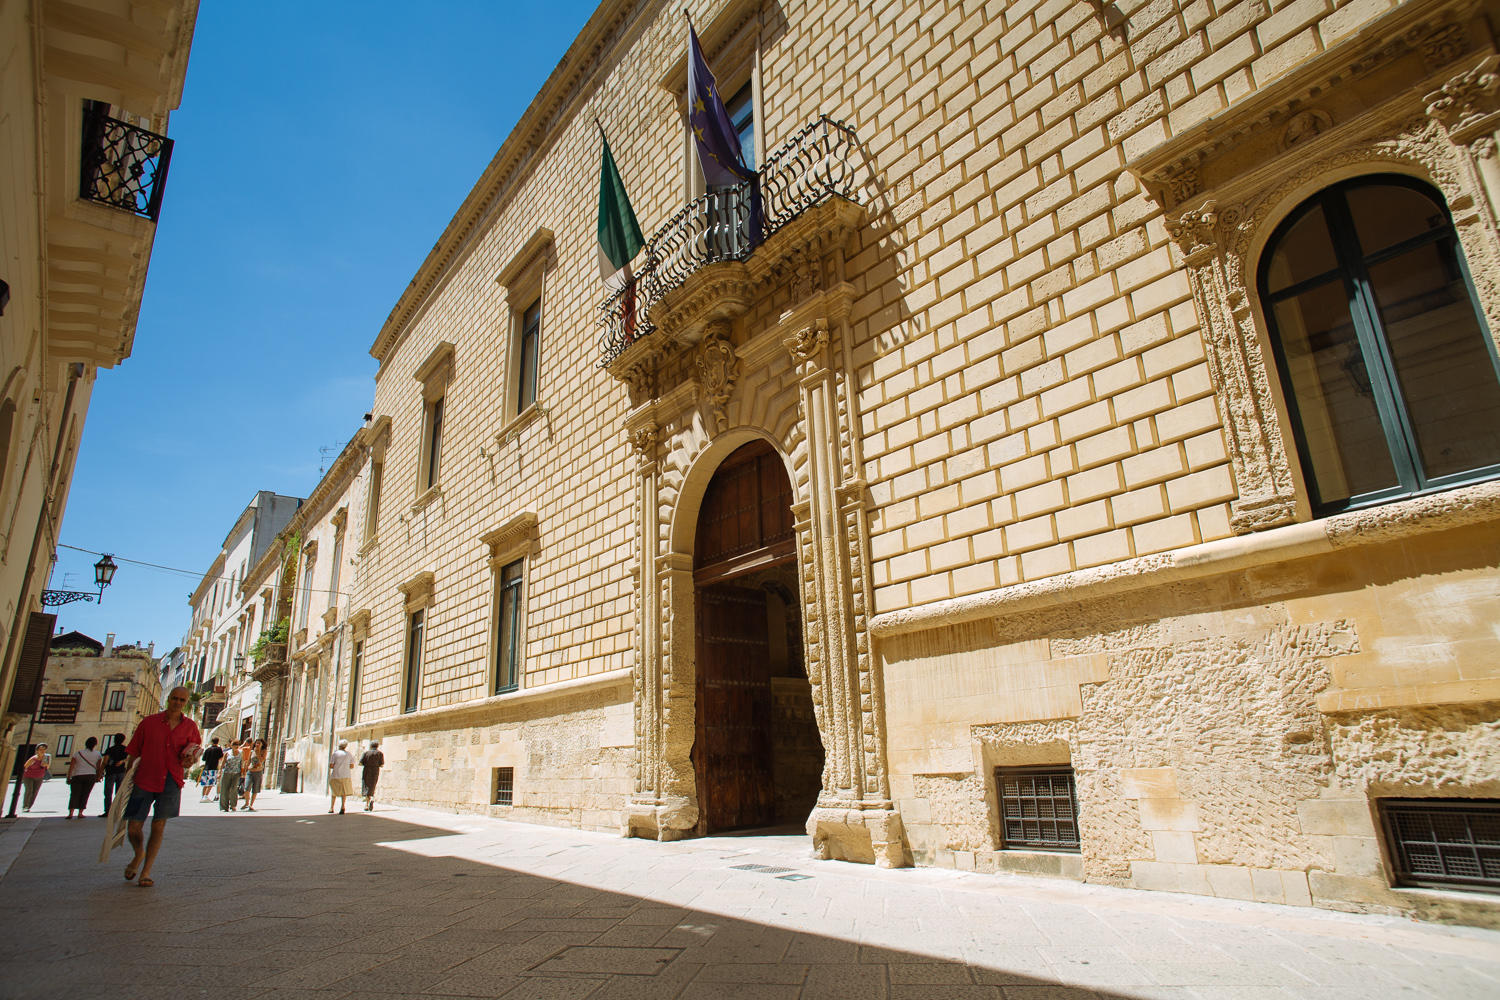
[(1444, 843), (123, 166), (813, 165), (1038, 808)]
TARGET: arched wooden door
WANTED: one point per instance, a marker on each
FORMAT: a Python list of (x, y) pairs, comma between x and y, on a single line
[(744, 551)]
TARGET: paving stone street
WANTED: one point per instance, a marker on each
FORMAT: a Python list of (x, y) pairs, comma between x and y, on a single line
[(290, 903)]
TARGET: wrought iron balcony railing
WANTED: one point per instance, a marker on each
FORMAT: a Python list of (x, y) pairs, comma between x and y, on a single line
[(813, 165), (124, 166)]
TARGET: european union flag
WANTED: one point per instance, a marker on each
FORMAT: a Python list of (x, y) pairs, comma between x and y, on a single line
[(718, 145), (715, 138)]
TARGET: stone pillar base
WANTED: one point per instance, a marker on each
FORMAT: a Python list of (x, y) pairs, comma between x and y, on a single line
[(660, 819), (854, 833)]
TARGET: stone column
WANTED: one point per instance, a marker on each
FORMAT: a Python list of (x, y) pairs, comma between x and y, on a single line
[(854, 819)]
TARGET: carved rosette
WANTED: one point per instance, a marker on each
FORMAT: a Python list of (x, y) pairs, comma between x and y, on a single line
[(718, 369)]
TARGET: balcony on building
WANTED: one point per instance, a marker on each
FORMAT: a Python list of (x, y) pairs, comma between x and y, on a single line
[(123, 165), (703, 264)]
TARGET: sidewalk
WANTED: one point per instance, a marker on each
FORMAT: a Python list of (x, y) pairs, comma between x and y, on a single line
[(290, 903)]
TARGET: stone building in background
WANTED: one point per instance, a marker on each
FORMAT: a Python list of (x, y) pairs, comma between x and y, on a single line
[(107, 689), (227, 616), (86, 87), (1091, 467)]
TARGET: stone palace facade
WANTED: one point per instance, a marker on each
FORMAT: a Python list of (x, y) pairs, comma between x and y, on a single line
[(1094, 470)]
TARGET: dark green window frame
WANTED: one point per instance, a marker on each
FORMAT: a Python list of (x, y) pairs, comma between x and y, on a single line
[(509, 642), (529, 355), (1353, 269), (412, 682), (354, 671)]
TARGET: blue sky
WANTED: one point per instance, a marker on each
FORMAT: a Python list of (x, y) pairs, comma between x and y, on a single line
[(321, 150)]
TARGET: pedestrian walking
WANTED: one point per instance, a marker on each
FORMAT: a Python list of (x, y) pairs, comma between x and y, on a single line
[(229, 778), (84, 770), (165, 744), (340, 776), (35, 772), (254, 772), (371, 761), (115, 762), (212, 757)]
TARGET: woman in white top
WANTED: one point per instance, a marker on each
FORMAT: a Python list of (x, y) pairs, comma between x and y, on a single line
[(84, 769)]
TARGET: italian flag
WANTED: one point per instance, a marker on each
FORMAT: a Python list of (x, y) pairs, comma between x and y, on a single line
[(619, 234)]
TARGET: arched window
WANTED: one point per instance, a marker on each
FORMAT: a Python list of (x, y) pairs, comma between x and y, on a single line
[(1389, 371)]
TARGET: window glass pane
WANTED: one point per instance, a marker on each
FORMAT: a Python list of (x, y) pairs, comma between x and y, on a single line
[(1386, 214), (531, 332), (1445, 372), (1344, 444), (741, 108), (1305, 251)]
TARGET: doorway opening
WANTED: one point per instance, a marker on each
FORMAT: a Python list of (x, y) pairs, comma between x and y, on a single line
[(757, 755)]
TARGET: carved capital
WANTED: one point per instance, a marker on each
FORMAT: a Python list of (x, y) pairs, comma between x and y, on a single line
[(718, 370), (643, 439), (806, 343), (1195, 232), (1468, 105)]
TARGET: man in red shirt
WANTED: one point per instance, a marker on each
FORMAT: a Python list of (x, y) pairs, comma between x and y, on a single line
[(165, 743)]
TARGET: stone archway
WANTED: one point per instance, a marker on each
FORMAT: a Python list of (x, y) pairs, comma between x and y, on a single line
[(757, 754)]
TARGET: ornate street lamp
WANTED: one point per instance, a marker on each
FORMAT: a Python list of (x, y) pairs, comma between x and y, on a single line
[(104, 575), (239, 663)]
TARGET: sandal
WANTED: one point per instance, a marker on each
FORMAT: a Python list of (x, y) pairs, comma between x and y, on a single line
[(129, 874), (146, 882)]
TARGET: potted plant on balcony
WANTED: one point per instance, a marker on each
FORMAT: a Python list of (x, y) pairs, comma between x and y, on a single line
[(271, 643)]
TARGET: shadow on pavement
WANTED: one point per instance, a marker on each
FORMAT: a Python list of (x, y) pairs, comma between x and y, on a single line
[(312, 907)]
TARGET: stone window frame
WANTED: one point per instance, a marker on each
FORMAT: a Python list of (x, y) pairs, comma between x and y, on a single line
[(378, 437), (435, 375), (418, 596), (306, 579), (1226, 184), (359, 634), (524, 278), (512, 541)]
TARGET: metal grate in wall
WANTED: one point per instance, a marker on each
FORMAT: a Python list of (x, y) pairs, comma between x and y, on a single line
[(1444, 843), (505, 786), (1038, 808)]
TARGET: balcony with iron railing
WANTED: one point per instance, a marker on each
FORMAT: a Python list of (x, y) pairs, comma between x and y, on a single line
[(809, 185), (123, 166)]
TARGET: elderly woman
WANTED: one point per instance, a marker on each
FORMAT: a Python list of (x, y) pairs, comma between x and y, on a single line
[(34, 772), (229, 778), (84, 769)]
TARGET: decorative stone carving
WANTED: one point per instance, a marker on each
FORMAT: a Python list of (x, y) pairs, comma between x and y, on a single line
[(718, 370), (1303, 126), (1469, 104), (806, 342), (643, 440)]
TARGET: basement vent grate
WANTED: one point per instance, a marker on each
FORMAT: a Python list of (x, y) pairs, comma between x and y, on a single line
[(768, 869)]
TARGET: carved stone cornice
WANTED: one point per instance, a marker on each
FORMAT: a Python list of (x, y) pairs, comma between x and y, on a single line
[(418, 590), (514, 532), (1409, 44)]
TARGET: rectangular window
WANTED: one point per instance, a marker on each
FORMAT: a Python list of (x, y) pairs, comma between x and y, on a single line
[(64, 745), (307, 582), (505, 786), (116, 701), (1444, 843), (509, 642), (372, 498), (411, 688), (1038, 808), (359, 656), (333, 571), (433, 451), (530, 347)]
